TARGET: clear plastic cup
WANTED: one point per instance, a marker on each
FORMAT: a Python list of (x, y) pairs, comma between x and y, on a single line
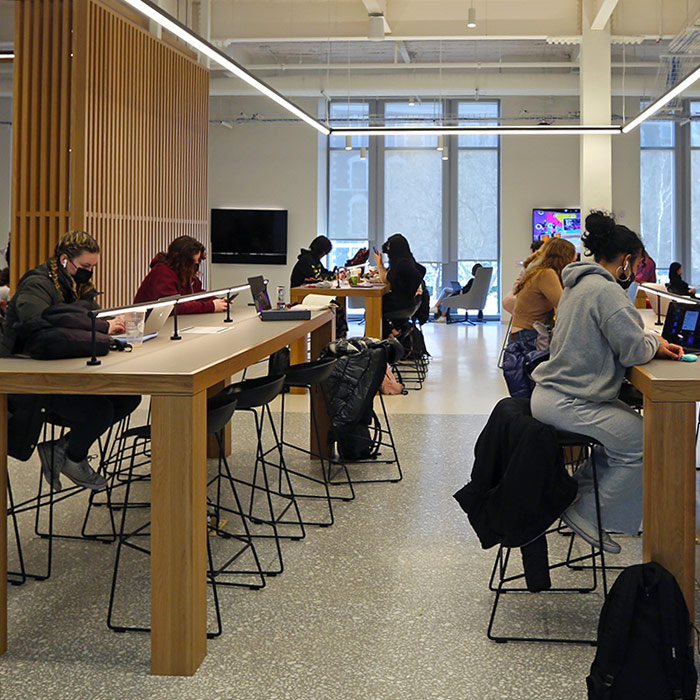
[(134, 322)]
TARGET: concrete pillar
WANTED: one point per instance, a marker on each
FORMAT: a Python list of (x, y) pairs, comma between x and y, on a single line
[(595, 80)]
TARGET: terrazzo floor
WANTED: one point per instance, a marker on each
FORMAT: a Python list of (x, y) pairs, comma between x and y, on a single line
[(392, 602)]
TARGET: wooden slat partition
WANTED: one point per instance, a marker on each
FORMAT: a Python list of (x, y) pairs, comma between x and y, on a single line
[(41, 108), (133, 111)]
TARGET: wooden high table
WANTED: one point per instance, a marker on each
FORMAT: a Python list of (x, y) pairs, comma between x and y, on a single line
[(177, 375), (373, 309), (670, 391)]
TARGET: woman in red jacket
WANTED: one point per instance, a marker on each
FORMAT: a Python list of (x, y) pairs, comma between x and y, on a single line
[(175, 272)]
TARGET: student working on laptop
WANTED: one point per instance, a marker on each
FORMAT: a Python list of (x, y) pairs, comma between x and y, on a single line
[(176, 272), (64, 279), (598, 335)]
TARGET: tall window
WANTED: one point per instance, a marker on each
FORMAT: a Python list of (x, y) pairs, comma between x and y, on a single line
[(447, 209), (657, 191), (348, 184), (694, 192), (413, 187), (477, 197)]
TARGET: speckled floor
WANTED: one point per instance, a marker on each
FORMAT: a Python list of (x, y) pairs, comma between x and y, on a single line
[(390, 603)]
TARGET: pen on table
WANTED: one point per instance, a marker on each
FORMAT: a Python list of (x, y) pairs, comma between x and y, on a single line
[(189, 328)]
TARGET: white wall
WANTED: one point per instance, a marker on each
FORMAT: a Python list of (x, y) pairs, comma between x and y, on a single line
[(264, 165), (5, 172), (276, 164)]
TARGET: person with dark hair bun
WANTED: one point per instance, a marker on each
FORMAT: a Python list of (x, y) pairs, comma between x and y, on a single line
[(676, 283), (308, 267), (597, 336)]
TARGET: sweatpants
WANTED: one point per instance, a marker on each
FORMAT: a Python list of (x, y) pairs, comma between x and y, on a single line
[(88, 417), (619, 461)]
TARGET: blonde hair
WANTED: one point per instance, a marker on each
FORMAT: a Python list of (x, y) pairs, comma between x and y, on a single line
[(74, 243), (555, 255)]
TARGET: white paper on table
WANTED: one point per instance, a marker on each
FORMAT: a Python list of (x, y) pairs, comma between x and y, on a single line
[(206, 329), (314, 302)]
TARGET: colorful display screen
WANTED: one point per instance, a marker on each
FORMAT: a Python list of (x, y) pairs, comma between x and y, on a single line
[(557, 223)]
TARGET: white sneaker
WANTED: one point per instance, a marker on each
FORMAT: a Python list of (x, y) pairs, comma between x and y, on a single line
[(589, 532)]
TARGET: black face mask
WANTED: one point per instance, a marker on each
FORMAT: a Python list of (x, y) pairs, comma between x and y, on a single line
[(82, 276)]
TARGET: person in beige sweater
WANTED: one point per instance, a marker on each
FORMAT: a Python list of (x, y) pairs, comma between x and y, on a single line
[(539, 290)]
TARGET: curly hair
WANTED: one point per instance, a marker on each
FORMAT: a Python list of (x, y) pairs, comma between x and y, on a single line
[(555, 255), (180, 258)]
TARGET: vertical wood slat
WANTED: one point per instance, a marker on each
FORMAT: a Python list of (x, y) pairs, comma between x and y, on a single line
[(40, 161), (113, 140)]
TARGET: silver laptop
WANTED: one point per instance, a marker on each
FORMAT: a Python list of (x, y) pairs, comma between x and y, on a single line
[(156, 319)]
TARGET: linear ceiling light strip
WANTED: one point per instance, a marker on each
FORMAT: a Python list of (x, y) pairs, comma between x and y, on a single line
[(204, 47), (654, 107), (461, 130)]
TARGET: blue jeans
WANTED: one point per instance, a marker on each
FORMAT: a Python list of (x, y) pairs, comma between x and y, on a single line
[(619, 461)]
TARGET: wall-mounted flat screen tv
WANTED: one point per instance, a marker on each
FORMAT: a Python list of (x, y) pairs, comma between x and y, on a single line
[(249, 236), (557, 223)]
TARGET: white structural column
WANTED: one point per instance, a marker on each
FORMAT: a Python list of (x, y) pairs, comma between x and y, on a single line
[(596, 150)]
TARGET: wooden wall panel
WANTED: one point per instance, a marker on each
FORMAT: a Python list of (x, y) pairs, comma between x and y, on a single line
[(41, 120), (134, 112)]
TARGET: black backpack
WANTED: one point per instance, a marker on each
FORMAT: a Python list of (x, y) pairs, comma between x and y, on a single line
[(644, 636)]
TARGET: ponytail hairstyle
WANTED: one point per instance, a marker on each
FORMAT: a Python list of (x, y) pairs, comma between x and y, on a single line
[(72, 244), (607, 241), (555, 255), (180, 258)]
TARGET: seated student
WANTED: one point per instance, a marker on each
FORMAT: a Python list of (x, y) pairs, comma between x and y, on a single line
[(404, 276), (598, 335), (175, 272), (449, 292), (308, 266), (646, 272), (508, 302), (63, 279), (676, 284), (538, 292)]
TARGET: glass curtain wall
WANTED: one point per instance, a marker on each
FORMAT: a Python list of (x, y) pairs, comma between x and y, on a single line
[(447, 209)]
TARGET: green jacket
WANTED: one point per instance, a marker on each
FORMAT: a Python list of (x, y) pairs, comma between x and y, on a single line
[(35, 293)]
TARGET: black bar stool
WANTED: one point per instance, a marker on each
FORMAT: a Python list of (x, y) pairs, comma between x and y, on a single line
[(254, 396), (311, 376), (502, 583)]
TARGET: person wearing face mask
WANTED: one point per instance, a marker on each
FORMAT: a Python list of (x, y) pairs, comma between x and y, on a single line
[(65, 278), (176, 272), (598, 335)]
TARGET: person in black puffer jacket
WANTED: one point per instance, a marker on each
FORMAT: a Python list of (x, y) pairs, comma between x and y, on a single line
[(63, 281)]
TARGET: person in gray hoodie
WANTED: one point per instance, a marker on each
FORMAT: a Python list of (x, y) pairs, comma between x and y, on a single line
[(597, 336)]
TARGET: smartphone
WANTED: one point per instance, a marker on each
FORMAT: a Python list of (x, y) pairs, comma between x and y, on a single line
[(374, 248)]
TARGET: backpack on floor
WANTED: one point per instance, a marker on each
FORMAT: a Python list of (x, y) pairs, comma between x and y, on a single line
[(362, 440), (644, 636)]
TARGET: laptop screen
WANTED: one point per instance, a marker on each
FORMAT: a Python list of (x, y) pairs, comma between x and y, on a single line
[(682, 325), (258, 290)]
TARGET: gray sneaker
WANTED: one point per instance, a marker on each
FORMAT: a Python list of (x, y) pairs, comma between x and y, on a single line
[(57, 449), (589, 532), (82, 474)]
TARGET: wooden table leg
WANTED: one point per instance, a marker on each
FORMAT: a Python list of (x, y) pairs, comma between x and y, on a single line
[(178, 534), (212, 442), (3, 523), (373, 317), (669, 491), (319, 339)]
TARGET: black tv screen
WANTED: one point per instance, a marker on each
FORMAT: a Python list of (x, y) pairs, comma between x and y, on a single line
[(249, 236)]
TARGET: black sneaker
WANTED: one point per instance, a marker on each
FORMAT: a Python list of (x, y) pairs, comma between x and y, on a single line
[(57, 450)]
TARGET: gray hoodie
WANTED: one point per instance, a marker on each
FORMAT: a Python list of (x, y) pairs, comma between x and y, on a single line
[(598, 334)]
